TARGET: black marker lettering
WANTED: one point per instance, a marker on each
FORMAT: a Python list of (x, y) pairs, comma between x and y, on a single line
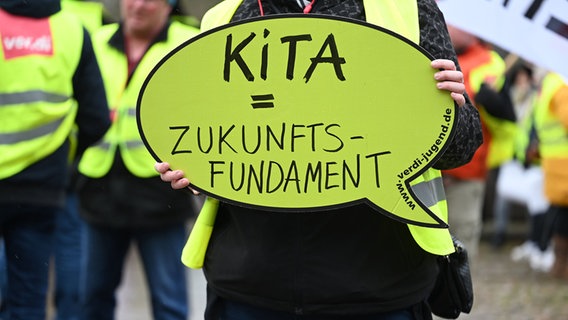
[(257, 178), (175, 149), (295, 136), (376, 157), (293, 176), (313, 175), (245, 139), (206, 150), (328, 174), (223, 138), (355, 180), (293, 40), (335, 59), (235, 55), (242, 180), (270, 133), (327, 130), (264, 64), (213, 172), (313, 127), (270, 175)]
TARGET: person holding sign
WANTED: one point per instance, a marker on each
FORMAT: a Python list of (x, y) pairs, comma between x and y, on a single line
[(337, 263), (122, 199), (69, 225)]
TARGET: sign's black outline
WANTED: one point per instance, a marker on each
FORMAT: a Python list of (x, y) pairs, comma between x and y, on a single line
[(441, 224)]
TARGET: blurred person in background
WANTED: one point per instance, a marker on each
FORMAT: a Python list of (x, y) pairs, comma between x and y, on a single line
[(483, 70), (50, 83), (520, 183), (551, 121), (122, 198), (519, 90), (69, 228)]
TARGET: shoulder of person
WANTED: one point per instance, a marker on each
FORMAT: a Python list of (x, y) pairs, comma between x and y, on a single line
[(181, 28), (560, 99), (220, 14), (105, 31)]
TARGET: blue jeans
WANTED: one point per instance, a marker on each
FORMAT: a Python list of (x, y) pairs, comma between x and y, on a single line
[(68, 245), (160, 251), (3, 279), (28, 238)]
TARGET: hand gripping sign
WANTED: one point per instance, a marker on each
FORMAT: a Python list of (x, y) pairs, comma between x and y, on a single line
[(300, 113)]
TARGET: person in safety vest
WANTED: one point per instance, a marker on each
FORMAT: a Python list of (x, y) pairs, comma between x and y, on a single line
[(483, 70), (69, 225), (520, 180), (504, 115), (50, 84), (551, 122), (349, 263), (122, 198)]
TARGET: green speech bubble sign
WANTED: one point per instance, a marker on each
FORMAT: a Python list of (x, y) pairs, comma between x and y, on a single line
[(299, 113)]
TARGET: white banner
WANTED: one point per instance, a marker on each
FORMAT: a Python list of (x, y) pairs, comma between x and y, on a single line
[(536, 30)]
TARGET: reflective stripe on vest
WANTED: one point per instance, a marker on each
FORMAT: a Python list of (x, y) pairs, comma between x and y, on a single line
[(31, 96), (37, 112), (430, 192), (553, 137), (123, 134), (22, 136), (401, 17)]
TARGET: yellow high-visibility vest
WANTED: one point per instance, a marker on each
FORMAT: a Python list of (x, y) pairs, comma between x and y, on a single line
[(37, 111), (123, 135), (552, 135), (503, 132), (89, 12)]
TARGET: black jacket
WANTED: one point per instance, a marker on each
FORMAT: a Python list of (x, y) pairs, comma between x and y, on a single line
[(340, 262), (45, 182), (121, 200)]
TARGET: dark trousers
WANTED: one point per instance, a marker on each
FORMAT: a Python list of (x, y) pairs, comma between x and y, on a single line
[(222, 309), (28, 233)]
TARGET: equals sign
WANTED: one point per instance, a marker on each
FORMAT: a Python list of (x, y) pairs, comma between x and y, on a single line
[(262, 101)]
